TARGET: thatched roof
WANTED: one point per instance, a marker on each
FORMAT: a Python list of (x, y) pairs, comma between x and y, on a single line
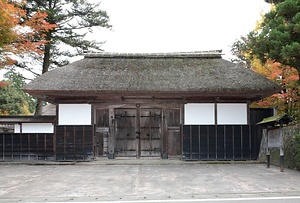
[(196, 74), (49, 110)]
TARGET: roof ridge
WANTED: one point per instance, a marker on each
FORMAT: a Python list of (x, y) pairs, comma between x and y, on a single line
[(194, 54)]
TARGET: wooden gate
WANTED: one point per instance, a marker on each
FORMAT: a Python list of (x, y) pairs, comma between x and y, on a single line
[(138, 132)]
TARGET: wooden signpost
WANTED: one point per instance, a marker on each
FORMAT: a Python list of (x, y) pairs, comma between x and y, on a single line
[(274, 133)]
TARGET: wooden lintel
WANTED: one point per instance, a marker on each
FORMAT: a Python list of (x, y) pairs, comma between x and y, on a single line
[(27, 119)]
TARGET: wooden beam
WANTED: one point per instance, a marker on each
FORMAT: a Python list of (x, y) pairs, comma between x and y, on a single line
[(27, 119)]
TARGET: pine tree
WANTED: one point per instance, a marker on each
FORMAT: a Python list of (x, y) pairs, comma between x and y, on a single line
[(279, 36), (73, 18)]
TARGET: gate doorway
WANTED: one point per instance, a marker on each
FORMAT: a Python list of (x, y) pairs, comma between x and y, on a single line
[(138, 132)]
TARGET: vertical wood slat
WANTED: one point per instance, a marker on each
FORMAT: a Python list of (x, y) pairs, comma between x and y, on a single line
[(21, 146), (237, 144), (12, 147), (29, 146), (191, 146), (83, 143), (233, 143), (3, 147), (54, 139), (65, 143), (216, 142), (250, 141), (242, 146), (199, 142), (225, 146), (74, 143), (208, 148)]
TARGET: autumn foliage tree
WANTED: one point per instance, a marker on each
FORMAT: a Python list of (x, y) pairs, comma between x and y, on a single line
[(74, 19), (288, 99), (19, 33), (278, 37), (273, 50)]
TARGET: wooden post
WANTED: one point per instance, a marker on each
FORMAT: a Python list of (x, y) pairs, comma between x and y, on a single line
[(281, 148), (138, 131), (265, 132), (281, 159), (21, 130), (268, 157), (111, 135)]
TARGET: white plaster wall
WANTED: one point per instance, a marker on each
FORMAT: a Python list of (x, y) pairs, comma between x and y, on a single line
[(74, 114), (231, 114), (35, 128), (199, 114)]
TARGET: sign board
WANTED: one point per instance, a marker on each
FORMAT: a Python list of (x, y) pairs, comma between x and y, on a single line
[(275, 138)]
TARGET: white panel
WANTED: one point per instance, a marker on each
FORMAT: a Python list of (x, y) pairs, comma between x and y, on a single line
[(74, 114), (231, 114), (199, 114), (35, 128)]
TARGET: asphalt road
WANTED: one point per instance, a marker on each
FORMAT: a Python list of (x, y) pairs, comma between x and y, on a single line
[(151, 182), (227, 200)]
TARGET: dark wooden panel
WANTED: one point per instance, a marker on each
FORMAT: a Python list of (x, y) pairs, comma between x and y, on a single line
[(194, 142), (237, 136), (126, 142), (171, 135), (246, 144), (186, 142), (174, 140), (74, 143), (229, 142), (150, 128), (101, 134), (204, 142), (212, 142), (258, 114), (35, 146), (223, 142)]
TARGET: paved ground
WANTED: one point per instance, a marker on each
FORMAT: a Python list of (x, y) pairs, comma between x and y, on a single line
[(143, 181)]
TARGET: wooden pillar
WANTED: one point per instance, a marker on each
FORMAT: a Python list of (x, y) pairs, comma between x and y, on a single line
[(268, 157), (265, 132), (281, 159), (164, 134), (138, 131), (21, 131), (111, 135), (281, 148), (181, 114)]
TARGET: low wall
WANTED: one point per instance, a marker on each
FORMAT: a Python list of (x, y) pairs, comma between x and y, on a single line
[(291, 162), (26, 146), (222, 142)]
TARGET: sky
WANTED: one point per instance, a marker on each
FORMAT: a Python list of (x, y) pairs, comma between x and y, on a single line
[(155, 26), (151, 26)]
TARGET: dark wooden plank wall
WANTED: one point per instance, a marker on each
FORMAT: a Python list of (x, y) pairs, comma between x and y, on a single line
[(222, 142), (26, 146), (74, 143), (101, 133), (225, 142), (171, 134)]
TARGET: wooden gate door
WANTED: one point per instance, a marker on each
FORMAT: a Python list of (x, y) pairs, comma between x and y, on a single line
[(125, 145), (150, 129), (138, 132)]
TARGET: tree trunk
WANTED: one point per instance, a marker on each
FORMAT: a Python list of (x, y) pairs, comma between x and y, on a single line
[(39, 107), (46, 64)]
